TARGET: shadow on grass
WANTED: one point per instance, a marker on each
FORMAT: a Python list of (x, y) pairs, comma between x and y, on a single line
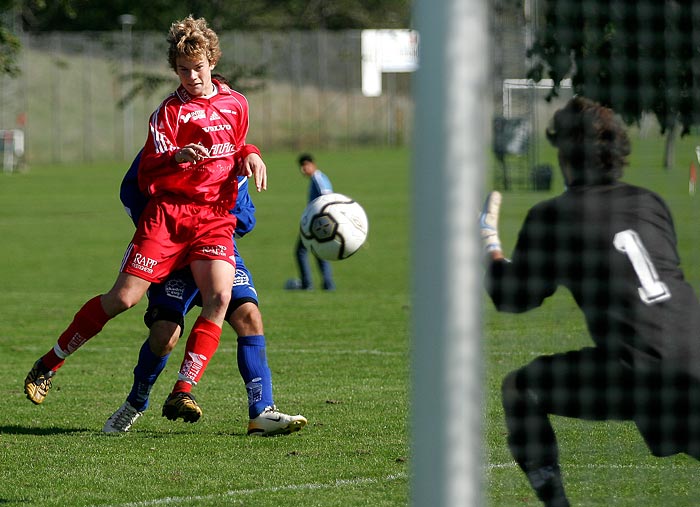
[(15, 429), (176, 432)]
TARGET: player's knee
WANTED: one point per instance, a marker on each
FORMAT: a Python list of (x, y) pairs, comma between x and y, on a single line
[(163, 337), (246, 320), (509, 386), (517, 397), (217, 300), (512, 396), (223, 299), (115, 302)]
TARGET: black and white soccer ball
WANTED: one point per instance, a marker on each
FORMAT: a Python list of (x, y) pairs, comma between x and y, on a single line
[(333, 227)]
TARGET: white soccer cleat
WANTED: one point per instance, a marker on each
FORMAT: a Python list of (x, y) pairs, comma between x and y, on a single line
[(273, 422), (122, 419)]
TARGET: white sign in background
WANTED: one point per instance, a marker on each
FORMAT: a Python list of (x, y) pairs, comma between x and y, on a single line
[(386, 51)]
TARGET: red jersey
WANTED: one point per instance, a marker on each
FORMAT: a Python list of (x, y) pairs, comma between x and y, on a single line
[(220, 124), (187, 216)]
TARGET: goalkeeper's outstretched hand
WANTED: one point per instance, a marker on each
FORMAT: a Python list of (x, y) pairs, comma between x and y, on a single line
[(488, 224)]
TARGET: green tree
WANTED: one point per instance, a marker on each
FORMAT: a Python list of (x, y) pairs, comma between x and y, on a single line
[(14, 15), (9, 42), (156, 15), (635, 57)]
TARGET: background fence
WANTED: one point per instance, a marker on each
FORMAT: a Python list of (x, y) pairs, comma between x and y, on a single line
[(304, 89), (306, 93)]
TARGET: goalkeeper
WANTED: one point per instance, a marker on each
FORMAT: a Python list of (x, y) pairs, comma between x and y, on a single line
[(613, 246)]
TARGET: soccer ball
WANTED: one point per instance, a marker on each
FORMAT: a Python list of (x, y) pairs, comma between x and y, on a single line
[(333, 227)]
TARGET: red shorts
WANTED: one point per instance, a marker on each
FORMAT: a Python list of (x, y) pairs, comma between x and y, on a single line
[(171, 235)]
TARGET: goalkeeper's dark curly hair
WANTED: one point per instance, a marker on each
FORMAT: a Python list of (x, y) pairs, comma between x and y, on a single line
[(592, 141)]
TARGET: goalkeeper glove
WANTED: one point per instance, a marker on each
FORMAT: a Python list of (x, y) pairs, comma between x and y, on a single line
[(488, 222)]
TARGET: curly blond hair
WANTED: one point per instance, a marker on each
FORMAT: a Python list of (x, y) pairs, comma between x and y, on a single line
[(192, 38)]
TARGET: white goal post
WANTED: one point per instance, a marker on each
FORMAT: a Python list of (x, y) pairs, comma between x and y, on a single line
[(526, 84), (449, 163)]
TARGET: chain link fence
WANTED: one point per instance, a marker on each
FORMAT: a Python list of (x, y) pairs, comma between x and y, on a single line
[(304, 90)]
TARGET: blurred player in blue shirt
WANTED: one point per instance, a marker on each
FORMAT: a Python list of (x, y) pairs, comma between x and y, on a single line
[(319, 185)]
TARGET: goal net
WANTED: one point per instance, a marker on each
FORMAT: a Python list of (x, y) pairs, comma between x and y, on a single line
[(518, 131)]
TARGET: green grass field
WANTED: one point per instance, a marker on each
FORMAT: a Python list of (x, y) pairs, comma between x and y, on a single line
[(339, 358), (342, 359)]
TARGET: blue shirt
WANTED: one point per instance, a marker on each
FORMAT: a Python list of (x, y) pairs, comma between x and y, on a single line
[(320, 184)]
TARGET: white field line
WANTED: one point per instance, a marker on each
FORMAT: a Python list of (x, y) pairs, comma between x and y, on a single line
[(597, 466), (508, 355), (370, 352), (326, 352), (273, 350), (188, 500), (358, 482)]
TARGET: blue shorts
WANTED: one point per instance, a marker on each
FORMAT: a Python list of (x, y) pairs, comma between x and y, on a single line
[(172, 299)]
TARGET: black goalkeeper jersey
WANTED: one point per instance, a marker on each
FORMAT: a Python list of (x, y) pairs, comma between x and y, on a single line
[(614, 247)]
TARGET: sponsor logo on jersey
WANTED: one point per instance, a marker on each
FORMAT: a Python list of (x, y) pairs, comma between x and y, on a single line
[(216, 128), (175, 288), (217, 250), (143, 263), (214, 116), (193, 115), (229, 111), (222, 149)]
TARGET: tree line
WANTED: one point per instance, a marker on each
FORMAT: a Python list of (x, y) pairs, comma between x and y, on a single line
[(33, 16), (82, 15), (635, 57)]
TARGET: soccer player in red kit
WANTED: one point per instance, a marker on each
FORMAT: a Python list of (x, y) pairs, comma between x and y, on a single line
[(193, 154)]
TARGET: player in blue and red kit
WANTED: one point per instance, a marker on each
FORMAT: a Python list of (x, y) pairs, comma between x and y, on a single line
[(170, 301), (194, 152)]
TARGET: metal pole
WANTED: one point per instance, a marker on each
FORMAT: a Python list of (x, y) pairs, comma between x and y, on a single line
[(127, 21), (453, 99)]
